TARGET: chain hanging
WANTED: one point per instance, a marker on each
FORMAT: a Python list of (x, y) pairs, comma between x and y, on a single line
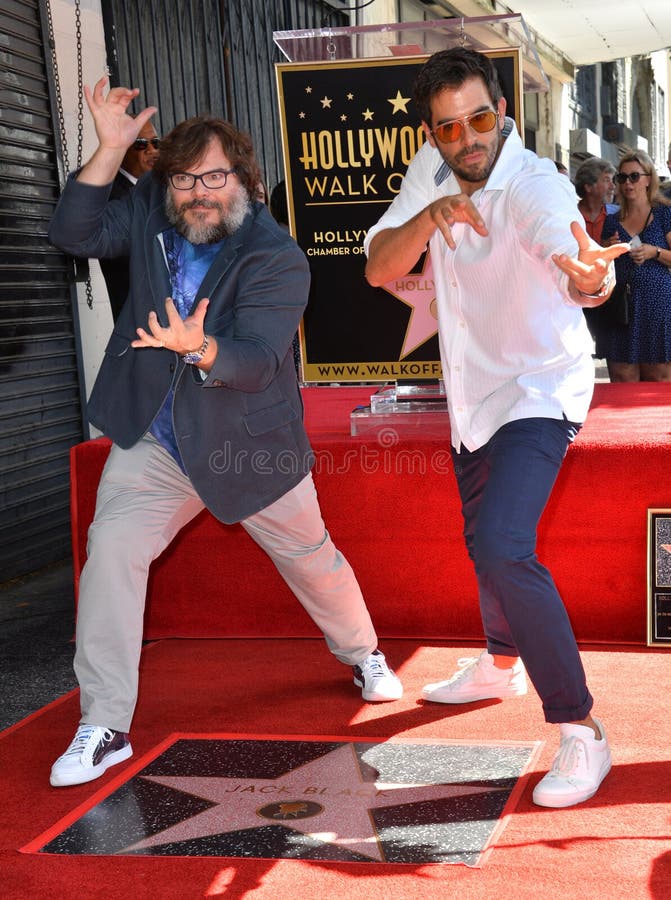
[(81, 266)]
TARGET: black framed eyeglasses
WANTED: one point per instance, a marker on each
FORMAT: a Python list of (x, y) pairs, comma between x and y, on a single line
[(482, 122), (623, 177), (143, 143), (186, 181)]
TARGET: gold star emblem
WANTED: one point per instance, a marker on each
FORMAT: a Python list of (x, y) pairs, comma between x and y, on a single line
[(326, 102), (367, 115), (350, 96), (308, 90), (399, 103)]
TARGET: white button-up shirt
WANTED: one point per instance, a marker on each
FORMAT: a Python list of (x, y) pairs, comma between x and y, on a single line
[(513, 345)]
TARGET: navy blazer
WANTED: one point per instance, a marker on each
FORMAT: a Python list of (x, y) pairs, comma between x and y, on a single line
[(240, 430), (115, 271)]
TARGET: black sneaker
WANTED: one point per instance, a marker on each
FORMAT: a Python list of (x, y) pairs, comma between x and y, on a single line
[(92, 751)]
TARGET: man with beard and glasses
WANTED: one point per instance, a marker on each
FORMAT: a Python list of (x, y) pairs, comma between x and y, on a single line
[(199, 395), (512, 271)]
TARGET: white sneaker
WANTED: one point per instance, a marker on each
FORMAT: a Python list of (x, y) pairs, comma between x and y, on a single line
[(376, 679), (581, 764), (92, 751), (478, 679)]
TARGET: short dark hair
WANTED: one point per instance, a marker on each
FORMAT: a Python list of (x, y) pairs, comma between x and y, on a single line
[(589, 172), (450, 69), (187, 143)]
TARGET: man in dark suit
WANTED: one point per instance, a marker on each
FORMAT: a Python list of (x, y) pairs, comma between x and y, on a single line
[(140, 158), (198, 393)]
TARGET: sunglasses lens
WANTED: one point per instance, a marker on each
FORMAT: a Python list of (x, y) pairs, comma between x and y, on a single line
[(143, 143), (449, 132), (484, 121), (622, 178)]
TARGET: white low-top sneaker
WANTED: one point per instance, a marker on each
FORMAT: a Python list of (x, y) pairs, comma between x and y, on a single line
[(376, 680), (479, 679), (581, 764), (92, 751)]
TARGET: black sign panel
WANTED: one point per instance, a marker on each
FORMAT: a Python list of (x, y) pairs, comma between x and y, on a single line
[(350, 130)]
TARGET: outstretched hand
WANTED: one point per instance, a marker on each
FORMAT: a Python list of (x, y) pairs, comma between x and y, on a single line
[(588, 270), (181, 335), (116, 129), (446, 211)]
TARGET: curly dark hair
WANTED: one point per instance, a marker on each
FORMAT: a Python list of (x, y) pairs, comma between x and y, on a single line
[(449, 69), (187, 143)]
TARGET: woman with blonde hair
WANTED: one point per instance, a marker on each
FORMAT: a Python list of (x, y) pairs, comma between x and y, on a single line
[(640, 348)]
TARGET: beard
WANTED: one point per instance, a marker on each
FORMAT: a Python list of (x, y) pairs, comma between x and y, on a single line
[(230, 217), (469, 173)]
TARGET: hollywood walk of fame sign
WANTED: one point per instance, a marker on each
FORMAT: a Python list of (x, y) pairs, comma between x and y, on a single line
[(350, 130), (659, 578), (337, 800)]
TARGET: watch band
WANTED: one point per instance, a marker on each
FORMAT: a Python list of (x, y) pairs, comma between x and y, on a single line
[(603, 290), (193, 357)]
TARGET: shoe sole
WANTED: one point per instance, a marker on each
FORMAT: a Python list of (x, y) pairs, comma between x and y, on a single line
[(375, 698), (551, 801), (488, 695), (69, 779)]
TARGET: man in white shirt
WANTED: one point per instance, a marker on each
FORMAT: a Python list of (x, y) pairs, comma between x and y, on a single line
[(512, 270)]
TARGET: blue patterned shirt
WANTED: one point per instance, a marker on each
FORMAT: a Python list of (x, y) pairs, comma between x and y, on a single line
[(188, 264)]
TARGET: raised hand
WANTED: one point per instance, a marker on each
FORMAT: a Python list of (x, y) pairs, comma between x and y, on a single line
[(116, 129)]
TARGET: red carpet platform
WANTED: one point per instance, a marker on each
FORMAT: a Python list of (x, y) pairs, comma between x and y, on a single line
[(617, 845), (392, 507)]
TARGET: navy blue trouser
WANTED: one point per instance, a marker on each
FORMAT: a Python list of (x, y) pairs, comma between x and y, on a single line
[(504, 487)]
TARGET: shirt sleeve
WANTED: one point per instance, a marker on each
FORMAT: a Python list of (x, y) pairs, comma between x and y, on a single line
[(418, 189), (542, 208)]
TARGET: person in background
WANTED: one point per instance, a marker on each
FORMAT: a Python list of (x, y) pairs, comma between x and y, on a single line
[(278, 204), (198, 393), (138, 159), (513, 269), (641, 349), (595, 187), (561, 168)]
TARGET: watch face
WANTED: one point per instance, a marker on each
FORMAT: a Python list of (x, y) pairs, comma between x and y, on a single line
[(192, 358)]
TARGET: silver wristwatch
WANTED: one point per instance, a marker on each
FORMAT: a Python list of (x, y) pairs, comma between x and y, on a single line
[(193, 357)]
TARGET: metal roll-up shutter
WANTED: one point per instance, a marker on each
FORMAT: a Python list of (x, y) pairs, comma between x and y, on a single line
[(40, 397), (222, 62)]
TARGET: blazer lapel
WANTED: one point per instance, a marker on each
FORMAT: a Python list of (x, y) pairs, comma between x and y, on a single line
[(157, 267), (224, 259)]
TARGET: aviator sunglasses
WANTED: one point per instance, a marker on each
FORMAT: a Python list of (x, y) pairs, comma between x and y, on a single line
[(448, 132), (143, 143), (623, 177)]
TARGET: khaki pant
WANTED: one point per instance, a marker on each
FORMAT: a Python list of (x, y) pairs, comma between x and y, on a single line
[(144, 499)]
